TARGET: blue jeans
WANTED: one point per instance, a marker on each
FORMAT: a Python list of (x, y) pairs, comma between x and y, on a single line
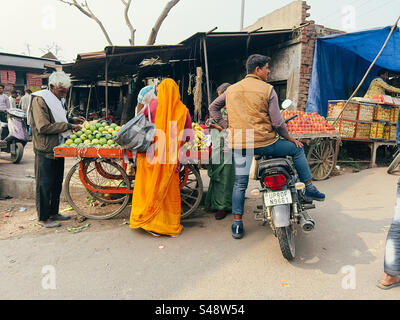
[(243, 158), (392, 251)]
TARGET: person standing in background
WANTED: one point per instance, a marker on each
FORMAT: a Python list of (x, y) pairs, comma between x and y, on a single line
[(13, 99), (145, 95), (25, 100), (4, 104), (222, 175)]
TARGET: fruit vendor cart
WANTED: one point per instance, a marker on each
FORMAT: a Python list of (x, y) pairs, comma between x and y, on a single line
[(365, 121), (321, 141), (100, 184)]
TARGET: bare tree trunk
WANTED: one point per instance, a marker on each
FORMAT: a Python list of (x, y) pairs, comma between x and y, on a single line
[(160, 20), (90, 14), (132, 30)]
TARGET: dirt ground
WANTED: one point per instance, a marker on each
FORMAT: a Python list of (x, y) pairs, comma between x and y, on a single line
[(18, 217), (15, 223)]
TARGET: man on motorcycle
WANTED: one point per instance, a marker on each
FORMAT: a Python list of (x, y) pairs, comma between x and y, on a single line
[(253, 109)]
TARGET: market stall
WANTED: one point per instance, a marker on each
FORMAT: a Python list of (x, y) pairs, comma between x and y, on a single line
[(372, 121), (322, 141), (100, 184)]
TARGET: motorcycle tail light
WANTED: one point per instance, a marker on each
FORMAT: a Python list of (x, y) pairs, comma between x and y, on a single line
[(275, 182)]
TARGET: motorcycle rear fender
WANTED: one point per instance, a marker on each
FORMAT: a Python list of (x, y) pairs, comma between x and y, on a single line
[(281, 215)]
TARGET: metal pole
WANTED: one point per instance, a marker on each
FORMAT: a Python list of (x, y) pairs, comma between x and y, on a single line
[(88, 103), (106, 88), (206, 65), (242, 15)]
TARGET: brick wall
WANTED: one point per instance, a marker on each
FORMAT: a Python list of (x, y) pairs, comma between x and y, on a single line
[(308, 38)]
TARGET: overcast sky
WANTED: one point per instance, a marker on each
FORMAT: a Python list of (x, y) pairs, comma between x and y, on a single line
[(43, 22)]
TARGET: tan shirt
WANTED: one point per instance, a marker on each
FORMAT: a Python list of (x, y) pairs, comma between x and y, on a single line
[(250, 125)]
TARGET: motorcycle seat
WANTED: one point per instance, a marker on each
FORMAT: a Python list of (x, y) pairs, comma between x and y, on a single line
[(273, 162), (258, 158)]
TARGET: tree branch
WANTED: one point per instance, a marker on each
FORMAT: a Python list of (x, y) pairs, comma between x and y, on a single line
[(90, 14), (160, 20), (128, 22)]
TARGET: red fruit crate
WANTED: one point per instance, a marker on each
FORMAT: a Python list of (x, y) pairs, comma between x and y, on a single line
[(377, 130), (336, 106), (394, 115), (390, 132), (363, 131), (346, 128), (366, 112), (382, 113)]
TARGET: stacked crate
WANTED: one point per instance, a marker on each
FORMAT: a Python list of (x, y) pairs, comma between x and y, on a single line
[(364, 121)]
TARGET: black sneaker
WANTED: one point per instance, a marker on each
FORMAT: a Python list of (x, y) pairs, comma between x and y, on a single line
[(59, 217), (50, 224), (237, 230)]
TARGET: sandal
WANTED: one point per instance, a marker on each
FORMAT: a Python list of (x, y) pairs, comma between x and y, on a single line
[(383, 287)]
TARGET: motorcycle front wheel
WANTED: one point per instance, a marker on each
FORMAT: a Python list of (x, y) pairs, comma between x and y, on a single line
[(19, 152), (286, 242)]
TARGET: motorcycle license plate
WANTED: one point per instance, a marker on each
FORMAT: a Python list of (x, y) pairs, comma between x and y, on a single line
[(277, 198)]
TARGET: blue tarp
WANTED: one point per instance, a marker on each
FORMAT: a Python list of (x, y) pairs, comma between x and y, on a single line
[(340, 62)]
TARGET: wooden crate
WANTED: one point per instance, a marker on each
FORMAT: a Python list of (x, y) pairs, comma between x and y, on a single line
[(346, 128), (394, 114), (335, 107), (382, 113), (366, 112), (363, 131), (377, 130), (390, 132)]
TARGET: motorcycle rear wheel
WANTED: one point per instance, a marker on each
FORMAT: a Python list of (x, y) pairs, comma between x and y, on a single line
[(286, 242)]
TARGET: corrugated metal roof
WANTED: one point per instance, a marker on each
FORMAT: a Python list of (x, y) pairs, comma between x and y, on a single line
[(15, 60)]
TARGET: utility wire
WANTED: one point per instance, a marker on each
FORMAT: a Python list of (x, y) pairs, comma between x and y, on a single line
[(369, 69), (338, 13)]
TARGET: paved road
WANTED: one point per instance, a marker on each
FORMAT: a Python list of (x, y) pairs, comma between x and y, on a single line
[(206, 263)]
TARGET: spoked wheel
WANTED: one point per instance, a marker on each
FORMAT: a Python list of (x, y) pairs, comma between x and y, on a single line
[(106, 170), (287, 244), (321, 158), (191, 187), (97, 204), (395, 163)]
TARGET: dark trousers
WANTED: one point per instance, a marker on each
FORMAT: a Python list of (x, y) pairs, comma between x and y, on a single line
[(3, 116), (49, 176)]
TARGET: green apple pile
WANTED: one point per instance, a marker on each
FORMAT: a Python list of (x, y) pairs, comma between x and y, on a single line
[(94, 134)]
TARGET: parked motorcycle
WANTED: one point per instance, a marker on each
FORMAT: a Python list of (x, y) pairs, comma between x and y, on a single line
[(284, 204), (14, 134)]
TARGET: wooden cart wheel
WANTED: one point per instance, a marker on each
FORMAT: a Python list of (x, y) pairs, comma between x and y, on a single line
[(321, 158), (96, 205), (191, 186)]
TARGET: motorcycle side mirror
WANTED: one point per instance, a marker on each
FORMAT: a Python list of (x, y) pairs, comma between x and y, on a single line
[(287, 104)]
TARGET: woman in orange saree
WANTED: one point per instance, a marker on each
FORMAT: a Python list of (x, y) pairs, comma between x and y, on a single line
[(156, 201)]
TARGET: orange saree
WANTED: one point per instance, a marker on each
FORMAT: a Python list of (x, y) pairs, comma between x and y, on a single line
[(156, 201)]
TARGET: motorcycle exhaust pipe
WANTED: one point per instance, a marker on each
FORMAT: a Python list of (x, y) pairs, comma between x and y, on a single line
[(306, 222)]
